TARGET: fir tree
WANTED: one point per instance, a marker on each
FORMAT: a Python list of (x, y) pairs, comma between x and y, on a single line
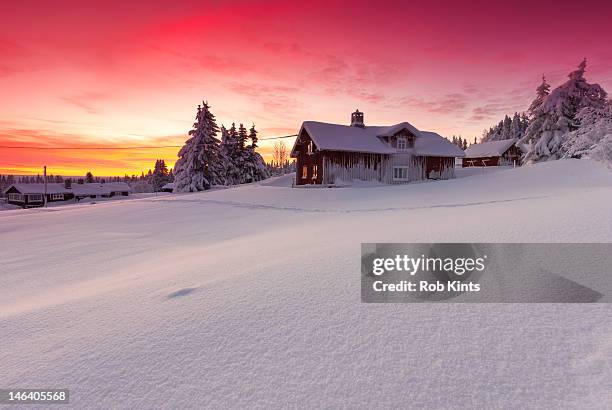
[(254, 165), (231, 170), (253, 137), (199, 165), (241, 155), (160, 175), (556, 117)]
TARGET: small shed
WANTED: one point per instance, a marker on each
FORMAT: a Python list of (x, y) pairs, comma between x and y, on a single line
[(169, 187), (491, 154)]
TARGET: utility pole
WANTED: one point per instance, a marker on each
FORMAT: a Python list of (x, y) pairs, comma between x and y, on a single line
[(45, 177)]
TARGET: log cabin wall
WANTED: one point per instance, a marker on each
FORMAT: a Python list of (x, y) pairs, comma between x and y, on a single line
[(309, 161), (439, 167), (340, 167), (511, 157)]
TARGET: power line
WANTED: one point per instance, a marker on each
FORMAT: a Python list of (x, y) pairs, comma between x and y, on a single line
[(121, 148)]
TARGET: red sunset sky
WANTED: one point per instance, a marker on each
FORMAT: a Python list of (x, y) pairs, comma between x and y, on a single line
[(78, 73)]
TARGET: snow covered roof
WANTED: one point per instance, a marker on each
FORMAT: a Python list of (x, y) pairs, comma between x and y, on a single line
[(88, 189), (77, 189), (489, 149), (117, 186), (52, 188), (169, 185), (337, 137), (433, 144)]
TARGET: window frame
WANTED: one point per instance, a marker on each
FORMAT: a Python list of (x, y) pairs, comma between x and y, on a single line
[(404, 142), (305, 172), (404, 170), (15, 197), (315, 171), (30, 199), (57, 197)]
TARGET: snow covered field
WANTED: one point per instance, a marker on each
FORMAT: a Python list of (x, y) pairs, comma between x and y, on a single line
[(250, 297)]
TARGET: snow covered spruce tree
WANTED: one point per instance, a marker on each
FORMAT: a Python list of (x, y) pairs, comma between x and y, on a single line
[(242, 163), (254, 166), (536, 117), (200, 161), (594, 137), (556, 116), (240, 158), (229, 145), (160, 175)]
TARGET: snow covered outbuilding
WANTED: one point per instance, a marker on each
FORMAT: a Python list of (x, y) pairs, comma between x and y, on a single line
[(334, 153), (493, 153), (32, 195), (169, 187)]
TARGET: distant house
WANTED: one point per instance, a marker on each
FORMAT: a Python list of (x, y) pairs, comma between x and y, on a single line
[(169, 187), (490, 154), (393, 154), (32, 195)]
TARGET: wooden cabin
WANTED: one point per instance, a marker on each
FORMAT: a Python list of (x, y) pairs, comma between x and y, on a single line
[(32, 195), (492, 154), (335, 154)]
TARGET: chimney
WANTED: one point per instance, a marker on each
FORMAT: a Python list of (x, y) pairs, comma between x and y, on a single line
[(357, 119), (68, 183)]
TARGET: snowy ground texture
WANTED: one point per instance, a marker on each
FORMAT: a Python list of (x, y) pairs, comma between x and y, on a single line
[(250, 297)]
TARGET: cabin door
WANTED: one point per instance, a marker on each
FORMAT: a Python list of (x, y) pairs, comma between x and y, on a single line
[(434, 167)]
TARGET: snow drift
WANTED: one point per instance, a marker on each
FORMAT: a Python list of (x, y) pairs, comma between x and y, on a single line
[(250, 297)]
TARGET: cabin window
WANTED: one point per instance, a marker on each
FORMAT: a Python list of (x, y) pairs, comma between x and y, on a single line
[(315, 173), (310, 148), (401, 143), (57, 197), (304, 172), (400, 173), (35, 198), (15, 197)]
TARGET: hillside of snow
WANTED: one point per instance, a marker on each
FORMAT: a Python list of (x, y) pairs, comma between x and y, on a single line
[(250, 297)]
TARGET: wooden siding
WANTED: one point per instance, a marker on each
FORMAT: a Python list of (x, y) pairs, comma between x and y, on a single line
[(341, 167), (306, 162), (439, 167), (349, 166)]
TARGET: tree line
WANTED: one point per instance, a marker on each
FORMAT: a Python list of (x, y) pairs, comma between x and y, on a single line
[(508, 128)]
